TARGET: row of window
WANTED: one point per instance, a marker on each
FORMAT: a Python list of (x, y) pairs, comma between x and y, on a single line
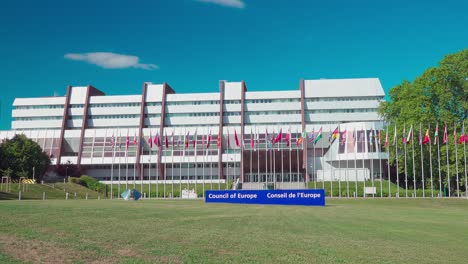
[(210, 102), (112, 116), (77, 106), (274, 113), (115, 105), (193, 114), (36, 118), (269, 101), (29, 107), (329, 111), (344, 99)]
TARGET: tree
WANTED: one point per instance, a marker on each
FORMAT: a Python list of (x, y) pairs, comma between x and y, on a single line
[(438, 97), (19, 155)]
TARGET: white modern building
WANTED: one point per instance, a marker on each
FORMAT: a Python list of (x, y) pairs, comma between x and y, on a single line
[(107, 135)]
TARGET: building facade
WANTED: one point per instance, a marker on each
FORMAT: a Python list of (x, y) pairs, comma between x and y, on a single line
[(254, 137)]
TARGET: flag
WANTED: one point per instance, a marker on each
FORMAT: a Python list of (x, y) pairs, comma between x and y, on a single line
[(427, 138), (410, 135), (267, 139), (236, 138), (187, 139), (127, 142), (218, 140), (194, 139), (343, 140), (150, 140), (311, 136), (444, 140), (135, 139), (319, 136), (436, 134), (156, 140), (113, 141), (228, 139), (288, 138), (166, 140), (208, 140), (395, 137), (301, 138), (463, 137), (334, 135), (203, 140), (279, 137), (371, 136), (179, 139)]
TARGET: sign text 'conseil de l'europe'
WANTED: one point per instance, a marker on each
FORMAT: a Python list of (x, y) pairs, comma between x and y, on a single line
[(283, 197)]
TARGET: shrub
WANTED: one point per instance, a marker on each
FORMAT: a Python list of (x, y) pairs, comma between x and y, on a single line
[(92, 184), (74, 180)]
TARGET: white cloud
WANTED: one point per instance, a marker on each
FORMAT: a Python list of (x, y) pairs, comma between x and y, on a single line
[(109, 60), (227, 3)]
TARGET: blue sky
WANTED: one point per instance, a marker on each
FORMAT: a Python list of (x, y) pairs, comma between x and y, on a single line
[(118, 45)]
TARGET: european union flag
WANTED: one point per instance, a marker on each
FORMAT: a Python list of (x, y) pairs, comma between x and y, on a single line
[(136, 195)]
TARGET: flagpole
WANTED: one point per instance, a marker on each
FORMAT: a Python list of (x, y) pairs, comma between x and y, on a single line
[(464, 157), (456, 156), (355, 144), (422, 160), (347, 161), (339, 161), (149, 171), (379, 152), (126, 161), (196, 161), (204, 162), (363, 143), (395, 138), (438, 159), (118, 187), (134, 165), (257, 138), (406, 170), (371, 160), (172, 164), (297, 155), (430, 163), (280, 145), (314, 163), (414, 169), (112, 169), (290, 162), (251, 140), (448, 165), (387, 145), (266, 155), (142, 167), (332, 171)]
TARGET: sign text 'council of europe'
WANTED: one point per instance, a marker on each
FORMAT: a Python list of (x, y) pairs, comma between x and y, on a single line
[(283, 197)]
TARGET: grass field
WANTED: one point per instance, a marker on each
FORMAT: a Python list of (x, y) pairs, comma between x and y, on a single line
[(184, 231)]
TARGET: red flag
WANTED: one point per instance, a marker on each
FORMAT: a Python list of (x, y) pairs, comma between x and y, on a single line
[(427, 138), (444, 140), (150, 141), (218, 140), (187, 139), (208, 140), (135, 139), (463, 137), (279, 137), (127, 142), (288, 138), (236, 138)]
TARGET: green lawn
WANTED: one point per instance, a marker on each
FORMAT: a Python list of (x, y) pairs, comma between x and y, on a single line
[(183, 231)]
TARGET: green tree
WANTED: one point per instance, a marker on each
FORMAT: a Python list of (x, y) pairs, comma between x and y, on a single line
[(439, 97), (19, 155)]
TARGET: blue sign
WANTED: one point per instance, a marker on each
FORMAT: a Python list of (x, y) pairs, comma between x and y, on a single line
[(314, 197)]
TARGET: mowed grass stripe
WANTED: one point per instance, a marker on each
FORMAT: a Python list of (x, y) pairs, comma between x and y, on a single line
[(171, 231)]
